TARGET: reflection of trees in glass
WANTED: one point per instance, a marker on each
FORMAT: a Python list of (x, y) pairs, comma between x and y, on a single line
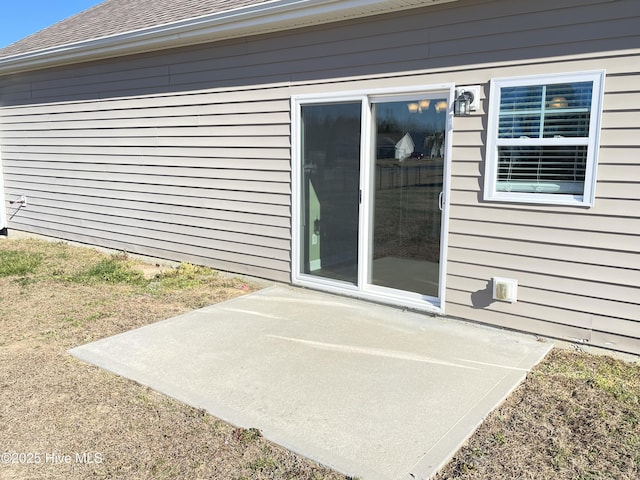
[(387, 125), (406, 215), (395, 121)]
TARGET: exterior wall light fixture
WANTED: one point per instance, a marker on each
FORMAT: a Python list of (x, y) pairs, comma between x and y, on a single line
[(462, 104)]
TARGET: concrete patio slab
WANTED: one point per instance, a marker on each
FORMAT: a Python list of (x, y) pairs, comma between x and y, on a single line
[(372, 391)]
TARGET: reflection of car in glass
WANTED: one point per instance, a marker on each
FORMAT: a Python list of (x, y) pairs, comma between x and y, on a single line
[(418, 155)]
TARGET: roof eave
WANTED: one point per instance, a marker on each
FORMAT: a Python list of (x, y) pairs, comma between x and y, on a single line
[(257, 19)]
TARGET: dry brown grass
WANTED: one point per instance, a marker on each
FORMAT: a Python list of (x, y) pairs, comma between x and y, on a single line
[(577, 416), (52, 405)]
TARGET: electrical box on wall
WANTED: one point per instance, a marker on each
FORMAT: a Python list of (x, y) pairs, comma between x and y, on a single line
[(505, 289)]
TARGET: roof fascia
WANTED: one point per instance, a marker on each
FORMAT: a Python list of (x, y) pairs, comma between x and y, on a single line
[(256, 19)]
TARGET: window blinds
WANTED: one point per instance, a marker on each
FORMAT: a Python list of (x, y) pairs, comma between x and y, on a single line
[(543, 134)]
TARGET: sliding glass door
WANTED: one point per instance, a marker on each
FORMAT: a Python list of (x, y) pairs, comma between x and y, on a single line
[(368, 194), (409, 139), (330, 186)]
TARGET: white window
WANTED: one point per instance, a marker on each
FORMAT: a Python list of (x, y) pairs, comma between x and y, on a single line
[(543, 138)]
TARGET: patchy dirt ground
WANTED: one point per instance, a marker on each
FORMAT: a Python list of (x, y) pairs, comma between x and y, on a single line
[(577, 416), (63, 419)]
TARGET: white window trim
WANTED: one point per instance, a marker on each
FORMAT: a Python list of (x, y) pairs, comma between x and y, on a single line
[(593, 142)]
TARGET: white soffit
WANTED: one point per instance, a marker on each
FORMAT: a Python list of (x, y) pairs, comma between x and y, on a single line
[(257, 19)]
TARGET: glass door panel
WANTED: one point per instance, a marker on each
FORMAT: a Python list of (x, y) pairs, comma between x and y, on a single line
[(330, 203), (408, 162)]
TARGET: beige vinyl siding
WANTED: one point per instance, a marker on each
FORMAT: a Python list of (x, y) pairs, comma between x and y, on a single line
[(185, 154), (578, 269), (439, 36), (196, 180)]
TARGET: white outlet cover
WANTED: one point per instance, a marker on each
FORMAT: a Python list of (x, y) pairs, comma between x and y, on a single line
[(505, 289)]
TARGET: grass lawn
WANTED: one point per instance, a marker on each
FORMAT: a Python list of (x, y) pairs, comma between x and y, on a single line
[(576, 416), (53, 297)]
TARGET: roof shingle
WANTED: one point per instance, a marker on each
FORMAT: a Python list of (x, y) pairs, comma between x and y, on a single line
[(113, 17)]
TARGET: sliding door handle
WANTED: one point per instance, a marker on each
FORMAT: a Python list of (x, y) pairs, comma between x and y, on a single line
[(441, 201)]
